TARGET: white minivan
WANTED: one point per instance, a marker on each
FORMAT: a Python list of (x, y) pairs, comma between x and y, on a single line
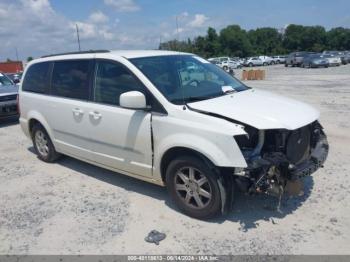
[(147, 114)]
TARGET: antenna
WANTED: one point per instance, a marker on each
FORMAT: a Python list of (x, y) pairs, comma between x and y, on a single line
[(177, 32), (76, 25), (16, 53)]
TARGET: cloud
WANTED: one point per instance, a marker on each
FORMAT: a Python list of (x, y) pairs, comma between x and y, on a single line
[(98, 17), (198, 21), (36, 29), (189, 25), (86, 30), (123, 5)]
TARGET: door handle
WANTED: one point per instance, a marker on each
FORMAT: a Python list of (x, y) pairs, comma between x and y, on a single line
[(77, 111), (95, 115)]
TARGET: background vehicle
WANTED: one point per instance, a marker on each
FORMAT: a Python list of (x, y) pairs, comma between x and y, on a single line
[(279, 59), (8, 97), (16, 78), (267, 60), (225, 63), (332, 60), (253, 61), (314, 60), (347, 56), (296, 58), (154, 115), (338, 54), (228, 63)]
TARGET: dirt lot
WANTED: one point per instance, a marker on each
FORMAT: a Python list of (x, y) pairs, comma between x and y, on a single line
[(74, 208)]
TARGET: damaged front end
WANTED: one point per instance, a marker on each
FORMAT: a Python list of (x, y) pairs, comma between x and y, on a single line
[(278, 158)]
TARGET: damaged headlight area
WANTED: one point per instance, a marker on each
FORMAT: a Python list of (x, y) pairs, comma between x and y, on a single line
[(278, 158)]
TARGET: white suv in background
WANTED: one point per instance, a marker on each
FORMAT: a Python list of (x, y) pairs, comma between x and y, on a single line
[(266, 60), (172, 119), (253, 61)]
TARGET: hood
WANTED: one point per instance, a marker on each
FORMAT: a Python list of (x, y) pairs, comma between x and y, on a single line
[(260, 109), (8, 90)]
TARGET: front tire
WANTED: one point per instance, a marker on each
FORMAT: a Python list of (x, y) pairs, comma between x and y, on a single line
[(193, 186), (43, 145)]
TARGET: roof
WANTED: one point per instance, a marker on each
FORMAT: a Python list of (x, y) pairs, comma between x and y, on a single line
[(144, 53), (122, 53)]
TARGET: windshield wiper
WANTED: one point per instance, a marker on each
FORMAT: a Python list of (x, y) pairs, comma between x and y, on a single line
[(230, 91), (192, 99)]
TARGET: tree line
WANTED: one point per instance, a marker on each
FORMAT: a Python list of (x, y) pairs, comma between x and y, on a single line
[(234, 41)]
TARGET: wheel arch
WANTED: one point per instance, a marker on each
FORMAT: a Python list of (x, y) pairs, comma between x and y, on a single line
[(173, 152), (37, 118)]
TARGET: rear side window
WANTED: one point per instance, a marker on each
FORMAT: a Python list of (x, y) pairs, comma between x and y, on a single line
[(70, 78), (36, 78), (112, 79)]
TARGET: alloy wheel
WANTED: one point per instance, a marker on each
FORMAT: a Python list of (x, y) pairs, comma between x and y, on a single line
[(41, 143), (193, 187)]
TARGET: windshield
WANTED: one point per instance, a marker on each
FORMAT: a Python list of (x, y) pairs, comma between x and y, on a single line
[(5, 81), (186, 78)]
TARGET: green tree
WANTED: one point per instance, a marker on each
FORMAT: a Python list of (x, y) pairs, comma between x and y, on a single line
[(29, 58), (213, 46), (266, 41), (234, 41), (293, 38), (338, 38), (314, 38)]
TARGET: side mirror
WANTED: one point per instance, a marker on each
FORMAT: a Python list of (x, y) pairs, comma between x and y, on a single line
[(133, 100), (16, 81)]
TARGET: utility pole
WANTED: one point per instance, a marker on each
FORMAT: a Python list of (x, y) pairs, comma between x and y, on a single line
[(16, 53), (177, 31), (76, 25)]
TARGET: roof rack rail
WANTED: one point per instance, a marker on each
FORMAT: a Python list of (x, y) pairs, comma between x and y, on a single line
[(78, 52)]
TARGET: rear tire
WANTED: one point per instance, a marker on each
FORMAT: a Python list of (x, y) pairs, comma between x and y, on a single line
[(43, 145), (193, 186)]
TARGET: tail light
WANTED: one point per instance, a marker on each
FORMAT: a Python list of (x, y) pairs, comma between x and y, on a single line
[(18, 108)]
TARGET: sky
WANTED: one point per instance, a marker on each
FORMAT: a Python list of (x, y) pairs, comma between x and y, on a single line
[(41, 27)]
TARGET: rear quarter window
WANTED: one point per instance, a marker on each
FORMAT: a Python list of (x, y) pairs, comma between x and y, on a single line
[(37, 78)]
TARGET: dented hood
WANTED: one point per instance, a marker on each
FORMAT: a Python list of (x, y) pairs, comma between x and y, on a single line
[(260, 109)]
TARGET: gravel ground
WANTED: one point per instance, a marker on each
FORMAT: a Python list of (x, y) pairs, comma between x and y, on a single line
[(71, 207)]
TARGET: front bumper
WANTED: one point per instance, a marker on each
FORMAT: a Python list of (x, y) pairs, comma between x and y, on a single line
[(8, 108)]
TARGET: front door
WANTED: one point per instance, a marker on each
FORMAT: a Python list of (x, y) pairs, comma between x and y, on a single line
[(121, 138)]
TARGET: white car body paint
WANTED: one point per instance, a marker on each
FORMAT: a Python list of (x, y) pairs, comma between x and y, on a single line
[(261, 109), (119, 139)]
